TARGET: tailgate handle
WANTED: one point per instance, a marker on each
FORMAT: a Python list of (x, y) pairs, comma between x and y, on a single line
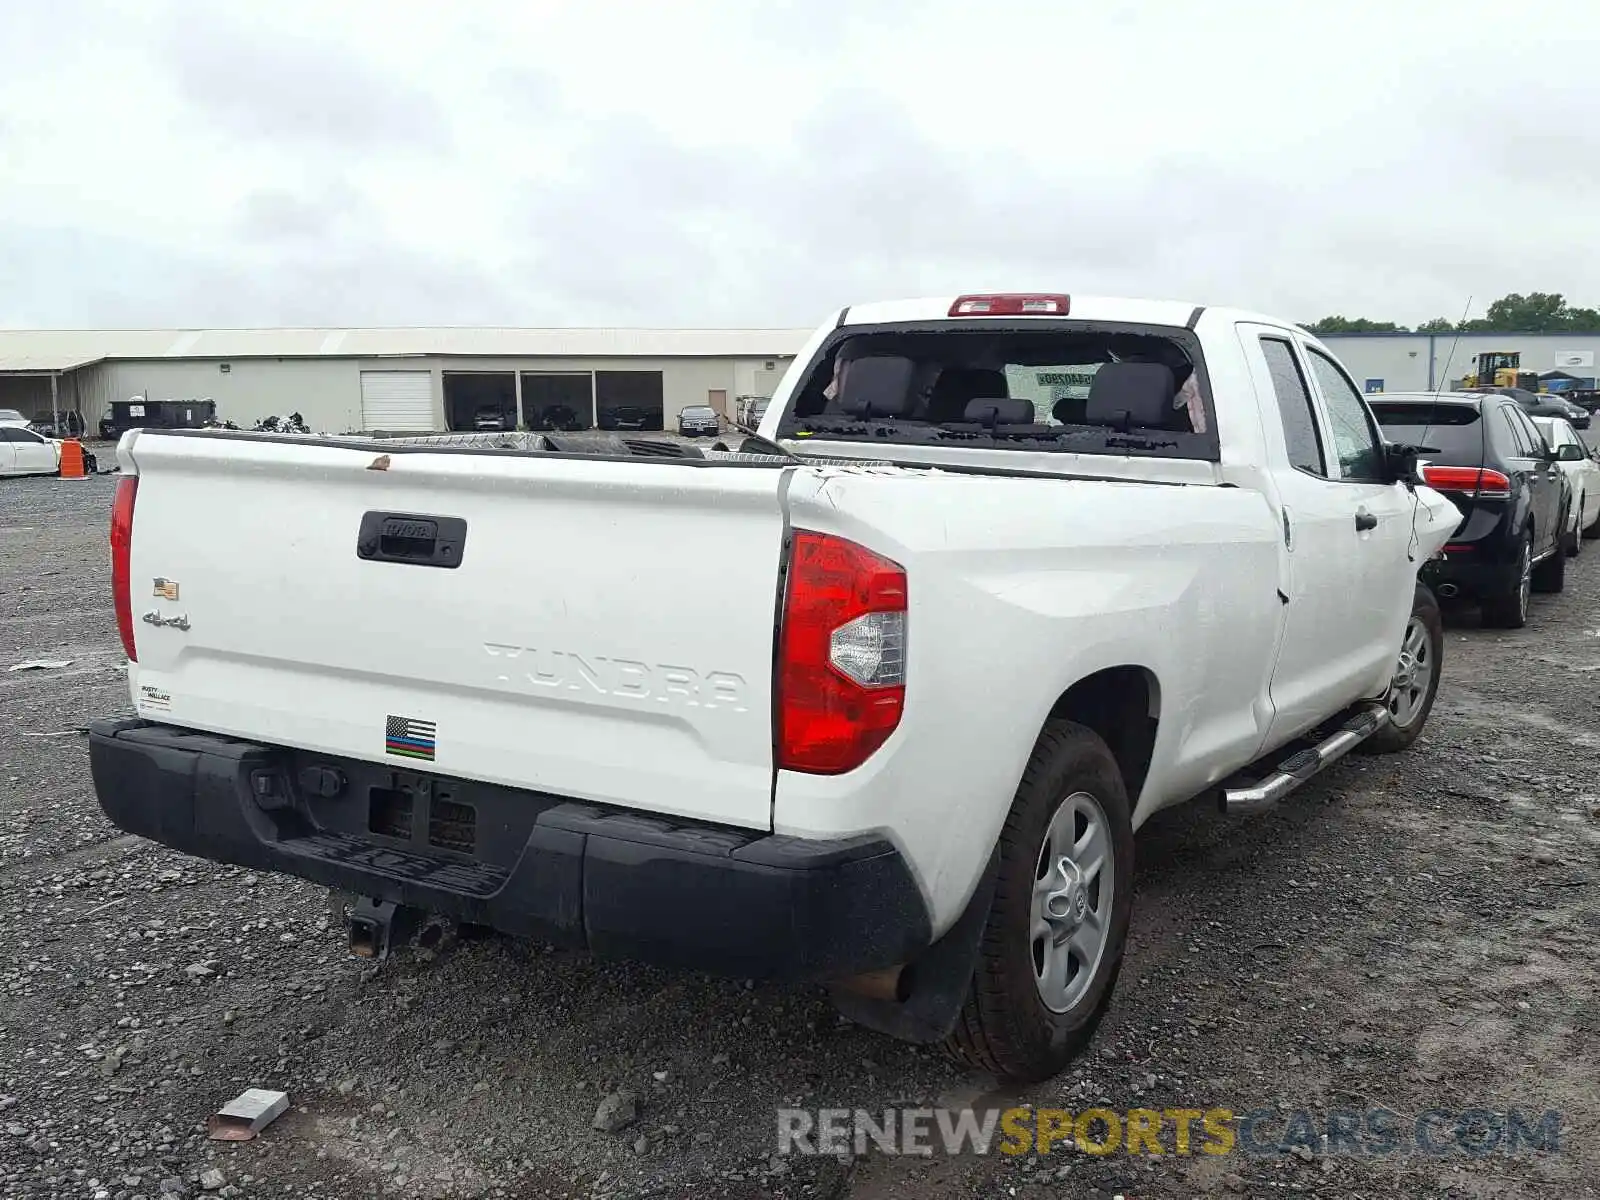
[(411, 538)]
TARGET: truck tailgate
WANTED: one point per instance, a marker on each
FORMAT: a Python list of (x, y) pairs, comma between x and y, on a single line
[(605, 634)]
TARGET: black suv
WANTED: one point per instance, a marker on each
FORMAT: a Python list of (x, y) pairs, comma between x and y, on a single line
[(1494, 465)]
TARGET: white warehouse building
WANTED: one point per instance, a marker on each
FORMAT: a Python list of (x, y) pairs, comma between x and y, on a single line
[(347, 380), (1414, 362)]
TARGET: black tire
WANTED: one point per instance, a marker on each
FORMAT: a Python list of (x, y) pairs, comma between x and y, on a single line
[(1509, 609), (1005, 1027), (1400, 733), (1550, 576), (1592, 530)]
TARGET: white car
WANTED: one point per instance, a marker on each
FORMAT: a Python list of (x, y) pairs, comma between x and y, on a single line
[(1000, 577), (1582, 469), (24, 452), (10, 416)]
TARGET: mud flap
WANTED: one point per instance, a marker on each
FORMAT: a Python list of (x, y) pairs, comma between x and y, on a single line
[(937, 982)]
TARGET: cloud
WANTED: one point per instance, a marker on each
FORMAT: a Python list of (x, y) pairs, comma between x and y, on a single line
[(294, 87), (721, 163)]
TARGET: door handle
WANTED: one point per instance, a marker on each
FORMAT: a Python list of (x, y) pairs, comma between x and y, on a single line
[(1365, 520)]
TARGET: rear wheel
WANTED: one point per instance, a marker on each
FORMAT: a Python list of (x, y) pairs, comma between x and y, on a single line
[(1416, 677), (1053, 942), (1509, 609)]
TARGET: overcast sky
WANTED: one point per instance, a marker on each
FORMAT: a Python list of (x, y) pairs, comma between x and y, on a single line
[(761, 162)]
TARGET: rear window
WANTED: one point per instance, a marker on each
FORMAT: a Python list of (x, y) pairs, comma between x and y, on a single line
[(1078, 387), (1455, 430)]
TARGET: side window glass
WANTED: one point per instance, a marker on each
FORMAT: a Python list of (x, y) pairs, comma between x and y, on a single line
[(1535, 436), (1300, 433), (1527, 436), (1519, 446), (1355, 440)]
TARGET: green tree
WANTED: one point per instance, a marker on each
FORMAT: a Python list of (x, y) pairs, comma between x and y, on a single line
[(1537, 312), (1338, 324), (1437, 325)]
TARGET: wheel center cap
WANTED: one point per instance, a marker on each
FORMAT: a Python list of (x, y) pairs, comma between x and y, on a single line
[(1066, 906), (1405, 670)]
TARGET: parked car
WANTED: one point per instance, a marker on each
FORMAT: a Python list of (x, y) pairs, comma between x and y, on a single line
[(557, 417), (698, 419), (24, 452), (489, 417), (751, 410), (1543, 404), (68, 424), (628, 416), (1582, 469), (10, 416), (1492, 461), (997, 651)]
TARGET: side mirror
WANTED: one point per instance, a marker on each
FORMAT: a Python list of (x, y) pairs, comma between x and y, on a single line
[(1571, 452), (1400, 462)]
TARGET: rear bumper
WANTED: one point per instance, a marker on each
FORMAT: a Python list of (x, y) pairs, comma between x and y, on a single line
[(620, 884), (1465, 575)]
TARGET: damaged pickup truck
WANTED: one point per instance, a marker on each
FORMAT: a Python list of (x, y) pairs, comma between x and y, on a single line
[(1000, 577)]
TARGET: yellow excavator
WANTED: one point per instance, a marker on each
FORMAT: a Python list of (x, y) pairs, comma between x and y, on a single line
[(1501, 368)]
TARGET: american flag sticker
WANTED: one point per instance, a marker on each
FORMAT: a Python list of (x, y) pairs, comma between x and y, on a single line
[(410, 738)]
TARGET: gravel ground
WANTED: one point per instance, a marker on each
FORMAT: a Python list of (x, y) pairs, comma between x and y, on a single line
[(1413, 933)]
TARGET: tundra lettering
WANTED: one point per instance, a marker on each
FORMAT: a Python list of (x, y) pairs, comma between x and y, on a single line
[(624, 678)]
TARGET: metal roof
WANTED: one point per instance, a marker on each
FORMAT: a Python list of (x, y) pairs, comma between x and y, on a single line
[(61, 349), (42, 364)]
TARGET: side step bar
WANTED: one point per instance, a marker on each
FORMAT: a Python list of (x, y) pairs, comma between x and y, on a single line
[(1306, 764)]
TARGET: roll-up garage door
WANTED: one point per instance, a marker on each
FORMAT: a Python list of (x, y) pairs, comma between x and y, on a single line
[(397, 401)]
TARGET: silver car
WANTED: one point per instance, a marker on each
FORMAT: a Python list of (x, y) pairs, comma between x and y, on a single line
[(699, 419)]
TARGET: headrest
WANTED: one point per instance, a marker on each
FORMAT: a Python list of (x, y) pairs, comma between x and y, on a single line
[(1135, 393), (878, 385), (999, 411), (1071, 410)]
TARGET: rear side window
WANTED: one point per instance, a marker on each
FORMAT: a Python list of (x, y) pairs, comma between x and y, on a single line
[(1300, 434), (1454, 430)]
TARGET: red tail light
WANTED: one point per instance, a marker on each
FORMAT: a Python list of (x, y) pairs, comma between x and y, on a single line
[(1014, 305), (1480, 483), (121, 555), (842, 655)]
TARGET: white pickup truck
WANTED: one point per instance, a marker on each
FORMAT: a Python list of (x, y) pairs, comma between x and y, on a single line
[(878, 699)]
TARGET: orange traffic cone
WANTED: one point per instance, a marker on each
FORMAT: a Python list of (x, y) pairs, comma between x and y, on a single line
[(72, 459)]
